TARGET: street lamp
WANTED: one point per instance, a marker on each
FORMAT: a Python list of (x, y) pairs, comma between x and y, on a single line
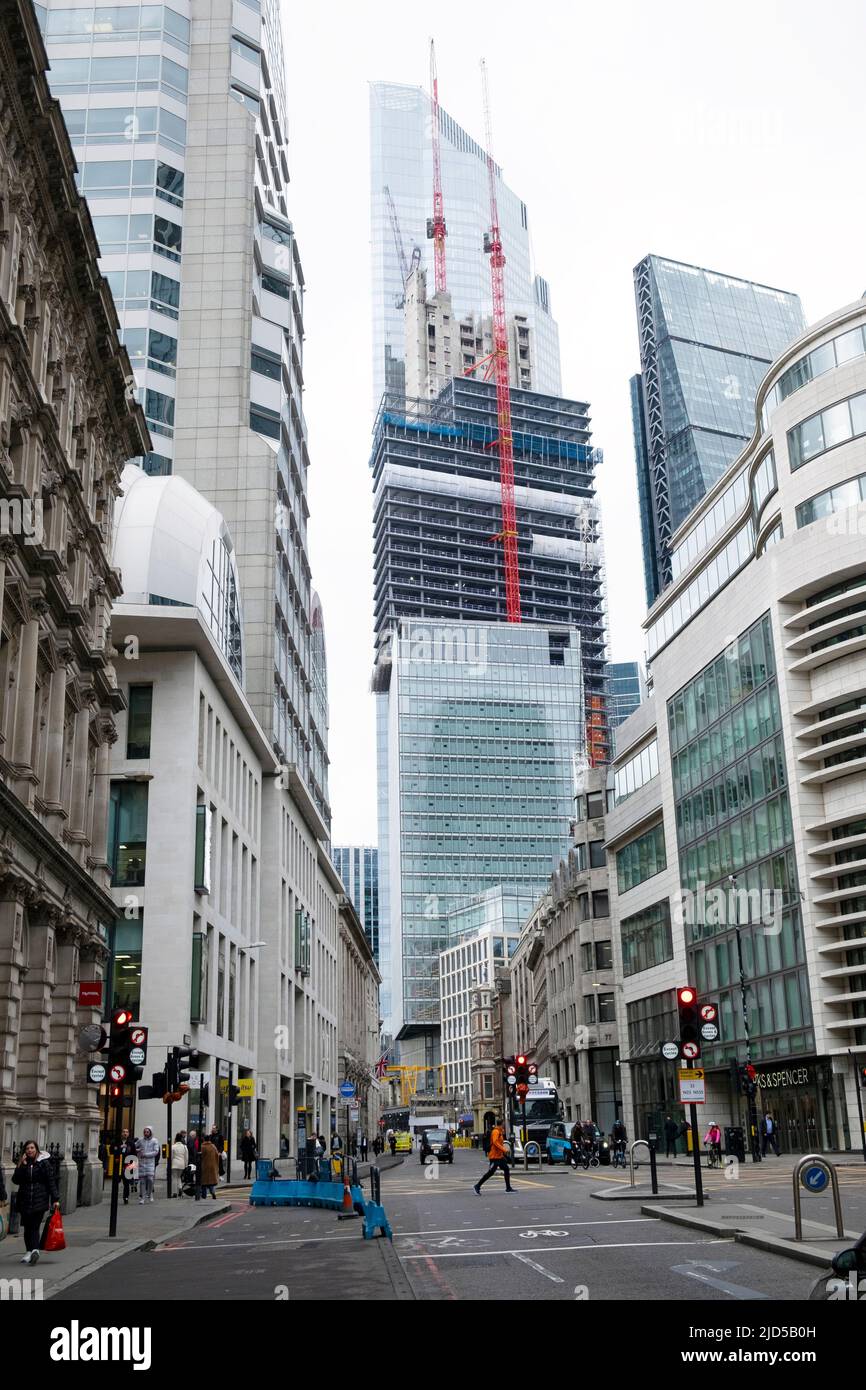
[(753, 1114)]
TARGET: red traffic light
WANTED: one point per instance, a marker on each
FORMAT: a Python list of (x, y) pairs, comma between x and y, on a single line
[(686, 995), (121, 1018), (115, 1092), (521, 1061), (750, 1072)]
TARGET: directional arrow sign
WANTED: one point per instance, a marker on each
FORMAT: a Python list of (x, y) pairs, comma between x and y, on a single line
[(138, 1037), (691, 1050), (709, 1013), (118, 1072)]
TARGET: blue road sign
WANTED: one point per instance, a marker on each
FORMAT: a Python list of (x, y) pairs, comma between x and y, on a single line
[(347, 1089), (815, 1178)]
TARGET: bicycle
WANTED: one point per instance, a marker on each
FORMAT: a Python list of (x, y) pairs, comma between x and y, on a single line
[(618, 1158), (714, 1156)]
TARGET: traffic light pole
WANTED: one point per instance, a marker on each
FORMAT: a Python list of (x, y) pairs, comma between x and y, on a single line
[(696, 1155)]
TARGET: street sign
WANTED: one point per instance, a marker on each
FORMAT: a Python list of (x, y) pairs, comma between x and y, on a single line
[(709, 1013), (138, 1037), (691, 1051), (137, 1056), (709, 1032), (692, 1087), (347, 1089), (118, 1072), (246, 1085), (815, 1178), (92, 1038), (354, 1114), (197, 1079), (90, 993), (96, 1073), (670, 1051)]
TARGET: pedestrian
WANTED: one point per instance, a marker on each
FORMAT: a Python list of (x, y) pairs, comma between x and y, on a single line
[(210, 1169), (336, 1143), (147, 1151), (392, 1142), (498, 1155), (179, 1161), (37, 1191), (769, 1135), (126, 1157), (249, 1152), (671, 1131), (363, 1148), (576, 1141)]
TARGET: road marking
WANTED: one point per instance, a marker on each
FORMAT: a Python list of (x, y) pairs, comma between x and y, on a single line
[(738, 1291), (248, 1244), (224, 1220), (562, 1249), (608, 1221), (540, 1268)]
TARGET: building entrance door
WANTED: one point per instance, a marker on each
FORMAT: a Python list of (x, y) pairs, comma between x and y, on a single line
[(795, 1113)]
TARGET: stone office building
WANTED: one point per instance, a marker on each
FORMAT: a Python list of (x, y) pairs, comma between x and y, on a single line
[(67, 422)]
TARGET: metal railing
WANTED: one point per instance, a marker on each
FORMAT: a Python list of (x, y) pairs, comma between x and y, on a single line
[(631, 1148)]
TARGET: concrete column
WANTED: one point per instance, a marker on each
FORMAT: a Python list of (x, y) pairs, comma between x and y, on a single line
[(80, 748), (34, 1038), (25, 694), (51, 791), (11, 988), (101, 794)]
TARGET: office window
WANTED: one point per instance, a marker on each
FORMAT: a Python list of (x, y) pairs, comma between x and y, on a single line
[(138, 721), (124, 970), (169, 184), (601, 904), (603, 955), (127, 842), (606, 1009), (165, 294), (589, 1008), (597, 856)]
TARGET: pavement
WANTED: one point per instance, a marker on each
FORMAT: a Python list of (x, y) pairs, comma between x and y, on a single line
[(89, 1247)]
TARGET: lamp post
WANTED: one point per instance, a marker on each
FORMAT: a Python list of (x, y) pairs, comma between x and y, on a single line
[(752, 1110)]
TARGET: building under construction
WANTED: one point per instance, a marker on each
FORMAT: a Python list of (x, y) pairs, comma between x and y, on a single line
[(438, 515)]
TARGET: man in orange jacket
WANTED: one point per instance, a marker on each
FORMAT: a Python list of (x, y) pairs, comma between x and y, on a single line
[(498, 1155)]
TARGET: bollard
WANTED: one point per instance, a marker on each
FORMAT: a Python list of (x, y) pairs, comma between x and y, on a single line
[(837, 1201), (654, 1177), (631, 1148)]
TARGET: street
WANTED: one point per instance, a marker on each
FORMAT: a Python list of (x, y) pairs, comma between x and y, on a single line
[(549, 1240)]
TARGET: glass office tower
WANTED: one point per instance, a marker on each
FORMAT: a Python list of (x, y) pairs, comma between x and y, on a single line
[(401, 175), (626, 689), (477, 787), (177, 115), (358, 867), (706, 341)]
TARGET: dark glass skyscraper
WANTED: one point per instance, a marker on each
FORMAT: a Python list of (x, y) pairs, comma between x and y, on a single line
[(358, 867), (706, 341)]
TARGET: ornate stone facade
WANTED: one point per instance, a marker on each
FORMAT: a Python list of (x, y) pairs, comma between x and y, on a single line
[(68, 421)]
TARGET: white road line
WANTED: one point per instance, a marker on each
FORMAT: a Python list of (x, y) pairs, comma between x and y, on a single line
[(738, 1291), (247, 1244), (540, 1268), (529, 1225), (558, 1249)]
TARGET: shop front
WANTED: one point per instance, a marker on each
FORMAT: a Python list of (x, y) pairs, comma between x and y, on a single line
[(807, 1104)]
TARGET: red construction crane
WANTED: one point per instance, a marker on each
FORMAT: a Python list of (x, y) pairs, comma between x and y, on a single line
[(493, 247), (436, 224)]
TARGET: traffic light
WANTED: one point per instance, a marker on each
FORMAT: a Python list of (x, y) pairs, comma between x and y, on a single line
[(748, 1079), (127, 1048), (176, 1078), (234, 1095), (687, 1008)]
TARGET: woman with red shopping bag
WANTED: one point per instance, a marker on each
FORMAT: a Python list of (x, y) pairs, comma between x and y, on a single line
[(37, 1192)]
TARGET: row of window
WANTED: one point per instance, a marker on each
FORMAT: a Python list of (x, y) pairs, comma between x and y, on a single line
[(748, 725), (835, 425), (639, 770), (646, 938), (845, 348), (104, 125), (736, 849), (111, 22), (754, 777), (764, 483), (110, 178), (741, 669), (833, 499), (729, 561), (145, 72), (138, 231), (641, 859), (151, 348), (140, 289), (722, 512)]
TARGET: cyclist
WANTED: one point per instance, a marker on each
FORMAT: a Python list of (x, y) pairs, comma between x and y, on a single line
[(575, 1138), (619, 1136), (590, 1139), (713, 1144)]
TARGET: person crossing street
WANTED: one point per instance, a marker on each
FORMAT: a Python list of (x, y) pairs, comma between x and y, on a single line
[(498, 1155)]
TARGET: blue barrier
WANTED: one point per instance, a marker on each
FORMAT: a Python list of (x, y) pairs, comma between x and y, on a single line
[(376, 1220), (290, 1192)]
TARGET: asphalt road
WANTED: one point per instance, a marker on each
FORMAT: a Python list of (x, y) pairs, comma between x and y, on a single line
[(549, 1240)]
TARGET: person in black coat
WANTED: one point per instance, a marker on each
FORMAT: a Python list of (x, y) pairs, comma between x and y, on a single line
[(249, 1152), (37, 1191)]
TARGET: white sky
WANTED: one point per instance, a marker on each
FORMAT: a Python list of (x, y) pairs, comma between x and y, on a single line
[(727, 135)]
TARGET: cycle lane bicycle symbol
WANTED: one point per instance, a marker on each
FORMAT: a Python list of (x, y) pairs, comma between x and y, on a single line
[(533, 1235)]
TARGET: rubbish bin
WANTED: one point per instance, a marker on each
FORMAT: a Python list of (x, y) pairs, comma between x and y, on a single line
[(735, 1142)]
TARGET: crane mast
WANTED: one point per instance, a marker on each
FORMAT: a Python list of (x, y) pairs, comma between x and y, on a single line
[(436, 224), (493, 247)]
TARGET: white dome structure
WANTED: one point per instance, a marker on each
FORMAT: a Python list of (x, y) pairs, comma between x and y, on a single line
[(173, 547)]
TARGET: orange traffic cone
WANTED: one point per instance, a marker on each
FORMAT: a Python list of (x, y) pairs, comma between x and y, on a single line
[(347, 1195)]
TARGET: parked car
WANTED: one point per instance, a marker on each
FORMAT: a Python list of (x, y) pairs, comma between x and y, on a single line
[(436, 1143), (559, 1143)]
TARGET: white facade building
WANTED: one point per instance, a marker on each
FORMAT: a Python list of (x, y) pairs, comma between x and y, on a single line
[(749, 760), (226, 930)]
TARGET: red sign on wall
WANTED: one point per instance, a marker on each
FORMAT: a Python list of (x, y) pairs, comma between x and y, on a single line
[(90, 993)]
